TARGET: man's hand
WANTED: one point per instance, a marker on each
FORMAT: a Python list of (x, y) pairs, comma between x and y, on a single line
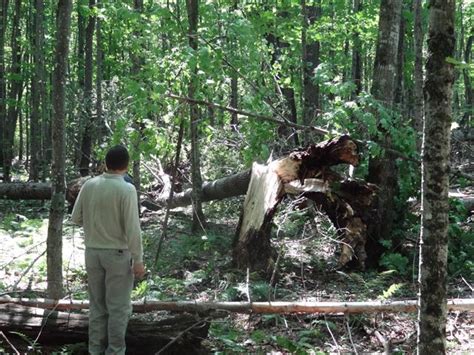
[(138, 270)]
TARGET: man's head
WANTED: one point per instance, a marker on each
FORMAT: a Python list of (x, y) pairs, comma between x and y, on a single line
[(117, 158)]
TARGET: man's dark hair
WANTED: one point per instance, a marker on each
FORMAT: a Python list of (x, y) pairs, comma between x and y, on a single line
[(117, 158)]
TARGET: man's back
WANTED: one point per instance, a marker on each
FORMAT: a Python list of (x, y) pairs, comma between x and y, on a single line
[(107, 209)]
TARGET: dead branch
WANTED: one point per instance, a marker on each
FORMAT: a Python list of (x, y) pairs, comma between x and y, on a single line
[(254, 307)]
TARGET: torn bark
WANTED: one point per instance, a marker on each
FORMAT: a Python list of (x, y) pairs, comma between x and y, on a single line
[(457, 304), (252, 248)]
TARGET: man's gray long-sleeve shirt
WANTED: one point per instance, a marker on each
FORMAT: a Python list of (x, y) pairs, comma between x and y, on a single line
[(107, 209)]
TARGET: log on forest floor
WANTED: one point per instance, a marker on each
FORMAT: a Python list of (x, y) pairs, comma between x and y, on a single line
[(143, 337), (277, 307)]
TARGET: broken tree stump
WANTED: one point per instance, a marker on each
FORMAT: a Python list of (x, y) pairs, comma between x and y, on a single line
[(143, 337), (291, 175)]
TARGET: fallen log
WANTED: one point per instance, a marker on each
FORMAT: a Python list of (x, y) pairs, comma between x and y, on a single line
[(457, 304), (143, 337)]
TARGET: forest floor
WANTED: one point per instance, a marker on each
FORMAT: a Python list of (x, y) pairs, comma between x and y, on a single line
[(198, 267)]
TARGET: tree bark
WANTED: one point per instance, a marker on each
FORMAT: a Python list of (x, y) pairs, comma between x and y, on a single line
[(252, 248), (89, 124), (15, 87), (142, 337), (310, 61), (56, 212), (356, 55), (199, 221), (101, 131), (468, 92), (435, 179), (3, 89), (38, 84), (418, 73), (274, 307), (383, 170)]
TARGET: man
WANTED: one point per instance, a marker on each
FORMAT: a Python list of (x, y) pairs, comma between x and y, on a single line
[(108, 211)]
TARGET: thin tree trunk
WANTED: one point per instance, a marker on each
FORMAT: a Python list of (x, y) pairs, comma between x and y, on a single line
[(399, 97), (3, 89), (435, 179), (89, 126), (418, 72), (383, 170), (15, 87), (56, 212), (356, 55), (101, 131), (469, 95), (199, 221), (310, 61), (37, 91), (137, 123)]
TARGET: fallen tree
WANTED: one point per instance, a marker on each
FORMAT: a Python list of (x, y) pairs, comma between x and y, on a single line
[(248, 307), (50, 327)]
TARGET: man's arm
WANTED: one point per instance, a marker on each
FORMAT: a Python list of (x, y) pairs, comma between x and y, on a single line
[(133, 232)]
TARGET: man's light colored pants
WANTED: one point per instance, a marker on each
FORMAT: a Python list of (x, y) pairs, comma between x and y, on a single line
[(110, 283)]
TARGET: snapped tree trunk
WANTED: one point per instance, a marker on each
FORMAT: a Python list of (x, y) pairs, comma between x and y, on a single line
[(56, 212), (435, 179), (269, 184), (142, 337)]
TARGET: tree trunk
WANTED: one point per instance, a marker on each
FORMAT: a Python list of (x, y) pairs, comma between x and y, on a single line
[(56, 212), (469, 94), (418, 73), (199, 221), (399, 96), (310, 61), (3, 90), (15, 87), (37, 91), (89, 124), (138, 124), (101, 129), (435, 179), (383, 170), (356, 55), (143, 337)]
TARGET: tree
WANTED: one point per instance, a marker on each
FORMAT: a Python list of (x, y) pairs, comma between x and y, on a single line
[(38, 83), (435, 179), (198, 215), (89, 126), (13, 93), (56, 212), (383, 170), (310, 58), (3, 89), (418, 71)]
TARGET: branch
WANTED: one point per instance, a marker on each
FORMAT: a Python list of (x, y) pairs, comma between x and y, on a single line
[(317, 130), (254, 307)]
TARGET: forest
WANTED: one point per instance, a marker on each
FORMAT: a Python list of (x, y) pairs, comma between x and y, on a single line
[(303, 171)]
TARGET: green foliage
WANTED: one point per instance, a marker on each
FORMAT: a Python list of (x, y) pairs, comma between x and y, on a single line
[(460, 242), (395, 261)]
